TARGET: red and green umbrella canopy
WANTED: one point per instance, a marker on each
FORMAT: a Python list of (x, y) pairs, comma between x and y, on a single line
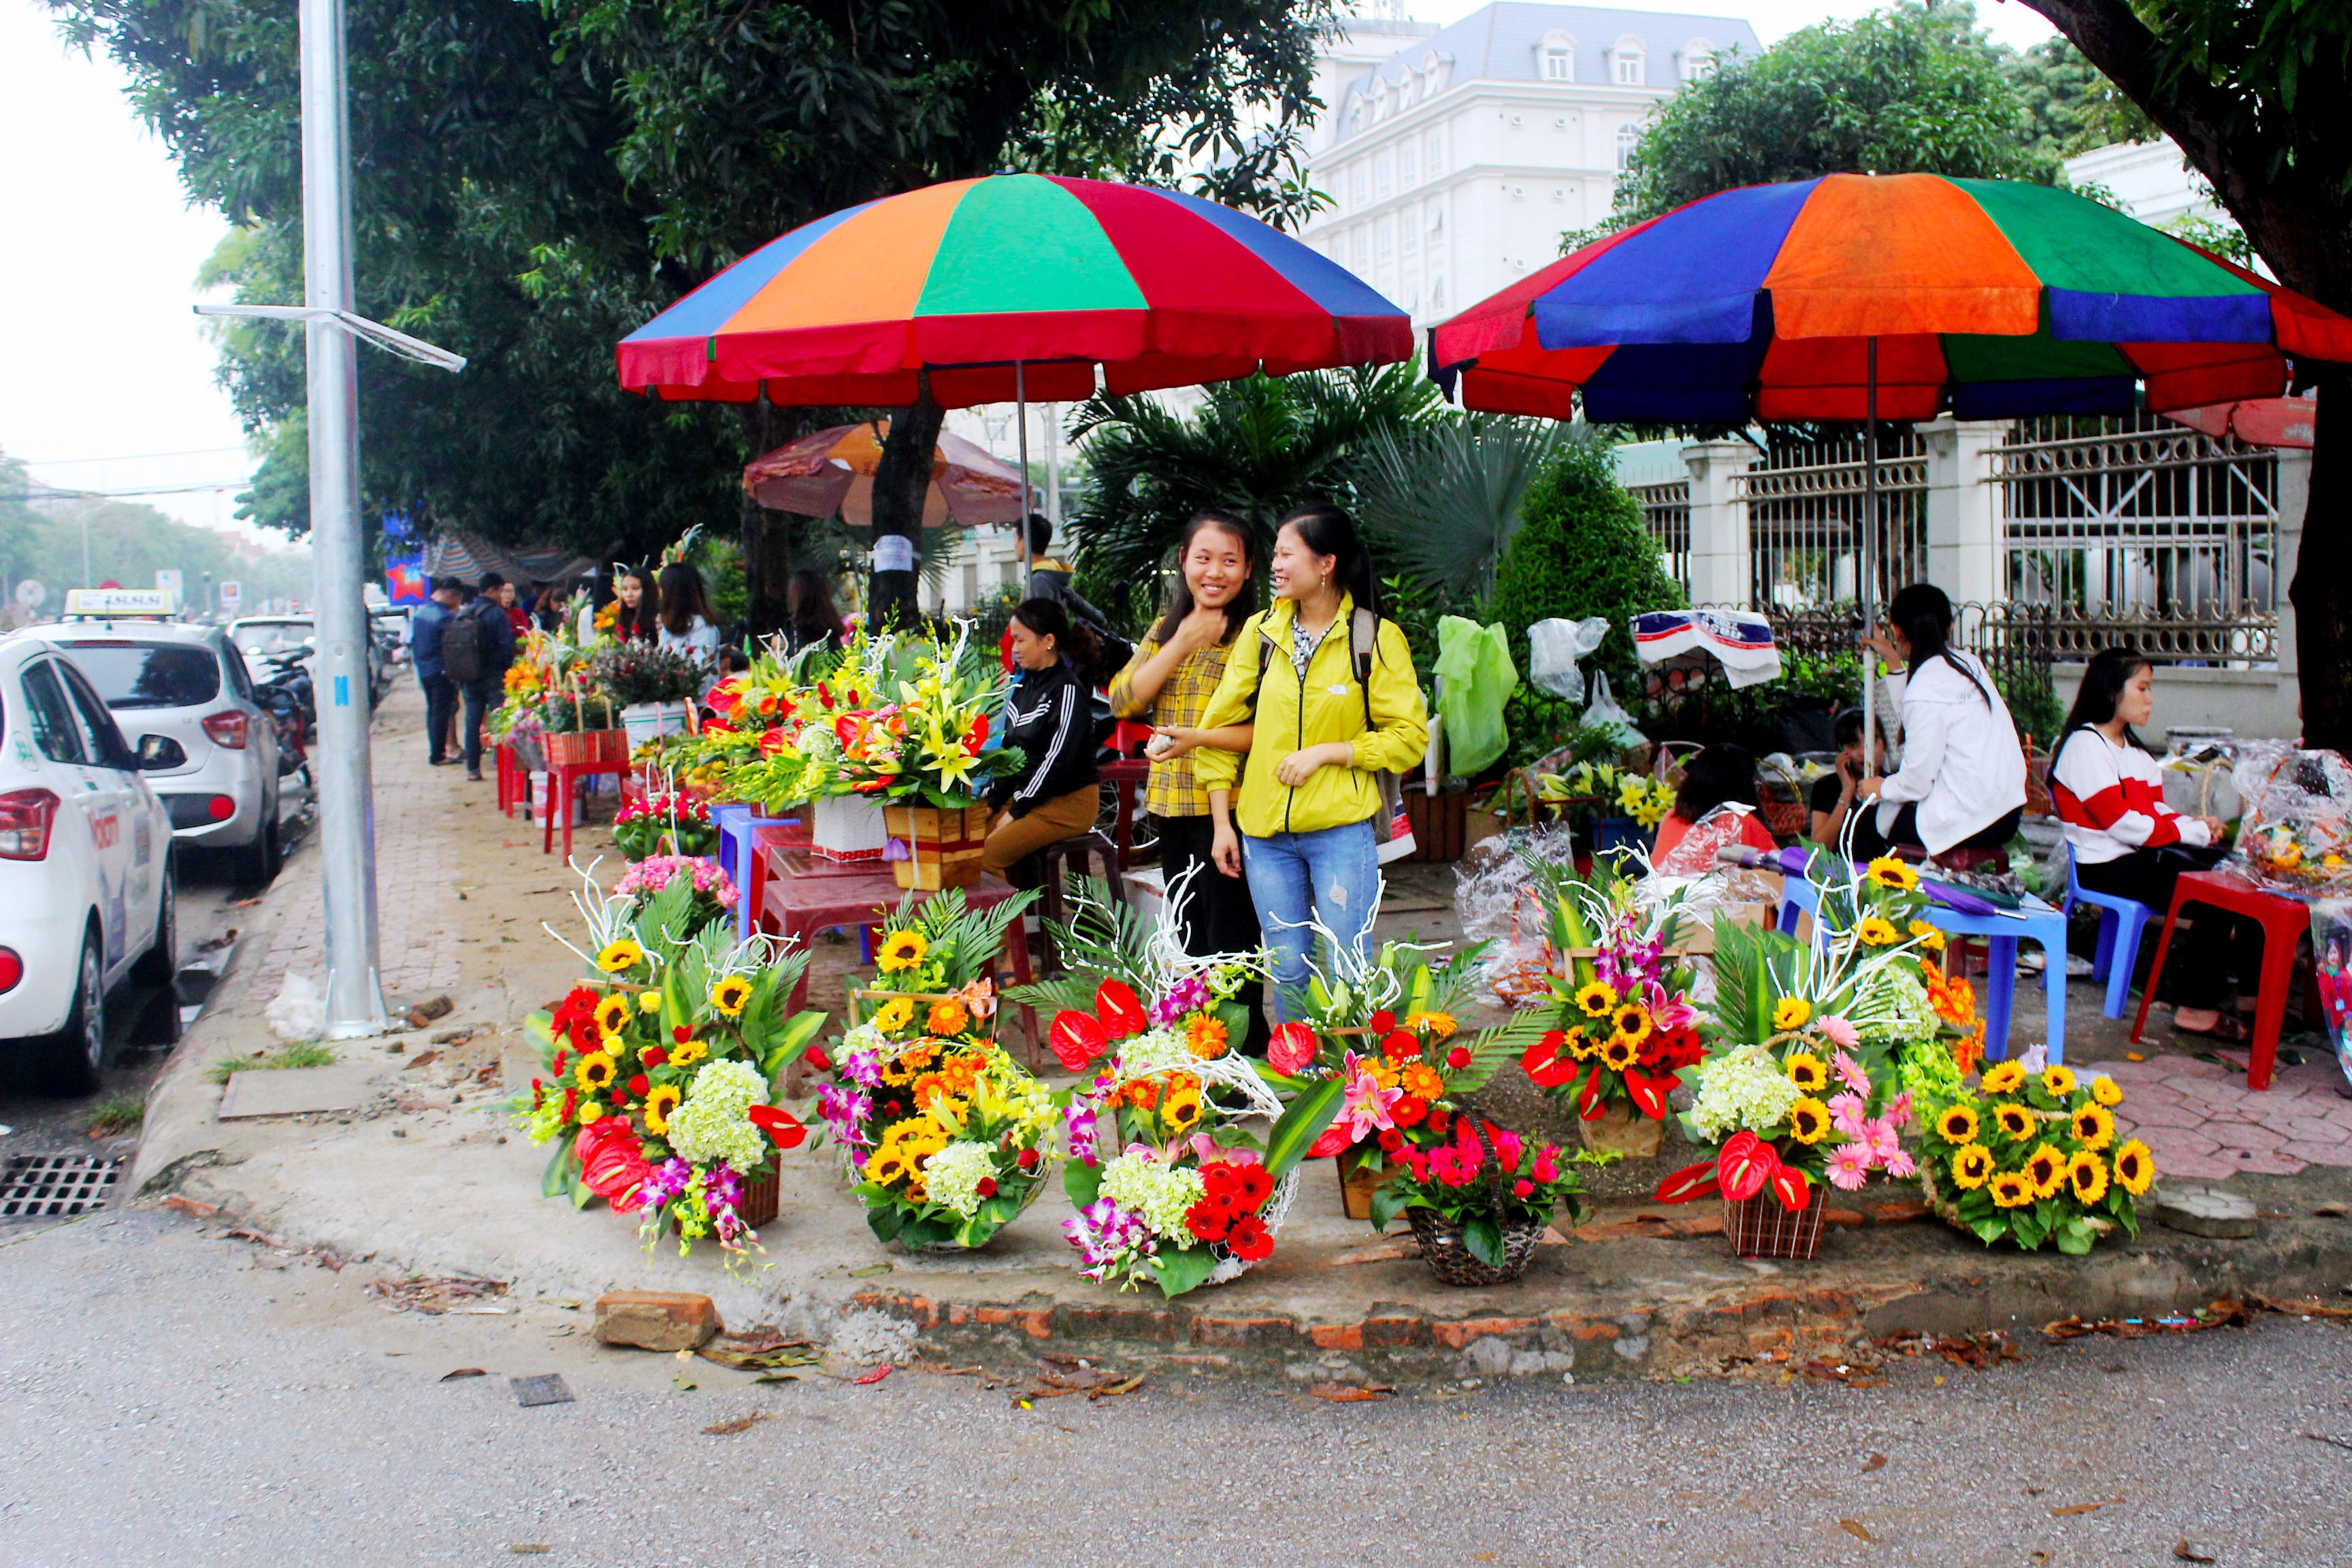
[(1987, 299), (967, 277)]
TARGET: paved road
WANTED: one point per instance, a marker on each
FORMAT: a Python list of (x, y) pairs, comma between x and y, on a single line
[(171, 1396)]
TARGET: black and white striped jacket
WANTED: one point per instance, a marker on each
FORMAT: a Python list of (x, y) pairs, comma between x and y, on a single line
[(1050, 717)]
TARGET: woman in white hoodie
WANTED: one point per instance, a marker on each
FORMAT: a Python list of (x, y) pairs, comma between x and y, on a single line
[(1962, 782)]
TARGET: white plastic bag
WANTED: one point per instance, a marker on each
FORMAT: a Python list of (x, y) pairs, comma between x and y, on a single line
[(1602, 712), (1553, 648), (299, 1012)]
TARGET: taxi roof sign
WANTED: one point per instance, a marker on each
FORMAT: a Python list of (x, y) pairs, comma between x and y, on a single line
[(119, 602)]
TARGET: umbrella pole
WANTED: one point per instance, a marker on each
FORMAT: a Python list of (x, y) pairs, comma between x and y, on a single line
[(1868, 585), (1020, 419)]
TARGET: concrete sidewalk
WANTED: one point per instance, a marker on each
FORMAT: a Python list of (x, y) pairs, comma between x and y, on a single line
[(420, 1174)]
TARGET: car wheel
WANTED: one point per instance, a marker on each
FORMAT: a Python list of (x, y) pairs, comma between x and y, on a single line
[(159, 964), (74, 1053), (257, 863)]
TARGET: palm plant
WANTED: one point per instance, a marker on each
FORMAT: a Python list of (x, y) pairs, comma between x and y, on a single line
[(1441, 501), (1256, 446)]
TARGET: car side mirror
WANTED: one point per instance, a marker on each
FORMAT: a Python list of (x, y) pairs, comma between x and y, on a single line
[(157, 752)]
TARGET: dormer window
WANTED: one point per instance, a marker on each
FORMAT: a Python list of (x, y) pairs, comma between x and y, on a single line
[(1556, 57), (1698, 60), (1626, 64)]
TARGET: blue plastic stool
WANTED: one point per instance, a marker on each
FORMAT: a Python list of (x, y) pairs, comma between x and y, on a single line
[(2121, 921), (2037, 922)]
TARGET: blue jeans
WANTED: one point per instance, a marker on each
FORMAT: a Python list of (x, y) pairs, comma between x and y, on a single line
[(1333, 876)]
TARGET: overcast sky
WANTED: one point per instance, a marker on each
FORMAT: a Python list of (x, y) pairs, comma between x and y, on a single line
[(109, 362)]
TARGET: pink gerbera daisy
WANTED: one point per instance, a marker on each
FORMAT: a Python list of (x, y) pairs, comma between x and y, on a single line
[(1846, 1114), (1849, 1167), (1839, 1032), (1850, 1073)]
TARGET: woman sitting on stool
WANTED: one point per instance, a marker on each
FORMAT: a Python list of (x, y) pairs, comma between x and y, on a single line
[(1057, 794), (2126, 842), (1962, 782)]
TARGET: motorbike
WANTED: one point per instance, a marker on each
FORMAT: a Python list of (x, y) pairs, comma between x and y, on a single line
[(285, 692)]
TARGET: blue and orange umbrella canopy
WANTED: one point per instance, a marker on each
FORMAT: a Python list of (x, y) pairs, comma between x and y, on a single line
[(1987, 297), (966, 277)]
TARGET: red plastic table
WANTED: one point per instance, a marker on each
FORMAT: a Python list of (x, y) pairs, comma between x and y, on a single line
[(562, 778), (2284, 921), (802, 906), (514, 784)]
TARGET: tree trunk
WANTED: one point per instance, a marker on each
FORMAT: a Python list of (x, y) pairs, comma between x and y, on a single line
[(769, 548), (2322, 590), (900, 481)]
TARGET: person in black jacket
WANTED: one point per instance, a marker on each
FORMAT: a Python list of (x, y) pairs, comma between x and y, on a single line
[(1056, 794)]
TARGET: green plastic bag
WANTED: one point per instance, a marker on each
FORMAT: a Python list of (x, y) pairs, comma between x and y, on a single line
[(1474, 664)]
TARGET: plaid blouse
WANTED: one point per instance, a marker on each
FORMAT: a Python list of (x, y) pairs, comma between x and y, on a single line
[(1184, 697)]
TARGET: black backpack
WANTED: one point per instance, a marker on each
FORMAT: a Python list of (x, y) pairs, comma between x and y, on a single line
[(461, 646)]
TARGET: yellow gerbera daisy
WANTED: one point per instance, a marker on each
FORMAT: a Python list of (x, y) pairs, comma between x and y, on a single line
[(2003, 1078), (596, 1071), (895, 1014), (1929, 937), (620, 957), (1889, 872), (1876, 930), (612, 1014), (729, 995), (1598, 999), (1956, 1125), (2095, 1127), (900, 949), (2088, 1174), (1442, 1025), (2011, 1190), (1791, 1012), (2104, 1091), (2046, 1168), (2014, 1121), (1809, 1072), (2059, 1080), (1809, 1120), (1971, 1166), (2135, 1169), (659, 1105)]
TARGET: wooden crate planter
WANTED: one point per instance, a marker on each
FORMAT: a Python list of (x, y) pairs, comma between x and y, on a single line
[(943, 847), (1440, 823)]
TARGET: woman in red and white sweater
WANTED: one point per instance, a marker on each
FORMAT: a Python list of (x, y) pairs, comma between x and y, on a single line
[(2109, 793)]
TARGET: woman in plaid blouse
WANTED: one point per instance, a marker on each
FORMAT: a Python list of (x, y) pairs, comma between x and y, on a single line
[(1167, 684)]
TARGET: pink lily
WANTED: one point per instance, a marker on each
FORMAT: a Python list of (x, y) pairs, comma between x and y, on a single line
[(1365, 1108)]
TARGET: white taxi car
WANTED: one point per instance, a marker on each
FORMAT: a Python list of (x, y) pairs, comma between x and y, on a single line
[(85, 875)]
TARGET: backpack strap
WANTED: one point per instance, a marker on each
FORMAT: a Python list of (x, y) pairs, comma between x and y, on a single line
[(1363, 642)]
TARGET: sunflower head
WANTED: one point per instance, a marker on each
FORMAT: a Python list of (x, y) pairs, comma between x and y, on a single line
[(1929, 937), (2088, 1175), (1579, 1044), (2011, 1190), (2094, 1126), (595, 1072), (1956, 1125), (620, 957), (612, 1014), (1632, 1021), (2058, 1080), (1597, 998), (1889, 872), (2046, 1168), (1809, 1120), (2104, 1091), (889, 1163), (2014, 1121), (1876, 930), (1971, 1166), (659, 1105), (1791, 1012), (2003, 1078), (1181, 1114), (895, 1014), (2135, 1170), (1618, 1053), (1809, 1072), (729, 995), (900, 949), (686, 1053)]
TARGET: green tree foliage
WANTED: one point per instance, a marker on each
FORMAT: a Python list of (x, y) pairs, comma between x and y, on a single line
[(2074, 108), (1441, 501), (1256, 446), (1582, 550), (129, 541)]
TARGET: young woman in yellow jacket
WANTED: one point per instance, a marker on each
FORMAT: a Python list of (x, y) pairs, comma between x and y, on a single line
[(1325, 724)]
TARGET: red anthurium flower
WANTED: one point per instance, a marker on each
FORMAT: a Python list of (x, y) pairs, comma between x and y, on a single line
[(846, 728), (1648, 1093), (1589, 1101), (1744, 1164), (771, 742), (1336, 1137), (1788, 1185), (1291, 1048), (612, 1164), (1543, 1063), (783, 1127), (1122, 1015), (717, 727), (1692, 1182), (977, 736), (1076, 1038)]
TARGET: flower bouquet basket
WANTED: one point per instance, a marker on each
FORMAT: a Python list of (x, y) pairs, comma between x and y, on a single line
[(2031, 1157), (1448, 1255), (1762, 1226), (932, 848), (577, 744), (926, 756)]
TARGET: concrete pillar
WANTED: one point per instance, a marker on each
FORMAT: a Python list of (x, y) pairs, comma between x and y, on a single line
[(1721, 568), (1964, 514), (2293, 499)]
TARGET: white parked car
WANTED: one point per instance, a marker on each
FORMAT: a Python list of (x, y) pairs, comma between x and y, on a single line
[(86, 876), (256, 635), (189, 685)]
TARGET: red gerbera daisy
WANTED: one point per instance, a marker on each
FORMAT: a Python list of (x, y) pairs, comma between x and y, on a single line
[(1248, 1239)]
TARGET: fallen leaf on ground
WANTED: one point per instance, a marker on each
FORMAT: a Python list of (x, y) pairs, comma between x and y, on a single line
[(1876, 1462), (2083, 1508), (867, 1379), (2188, 1553), (1853, 1526), (870, 1270), (247, 904), (2299, 1308), (1851, 1377), (2221, 1314), (423, 1060), (1354, 1393), (919, 1365), (683, 1383), (740, 1424), (528, 1548), (778, 1377), (463, 1372)]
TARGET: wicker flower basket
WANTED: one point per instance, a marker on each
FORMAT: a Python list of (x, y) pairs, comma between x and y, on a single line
[(1760, 1227), (1450, 1259), (762, 1197), (582, 748)]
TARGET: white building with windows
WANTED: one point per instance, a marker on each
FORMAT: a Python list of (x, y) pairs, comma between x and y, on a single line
[(1455, 157)]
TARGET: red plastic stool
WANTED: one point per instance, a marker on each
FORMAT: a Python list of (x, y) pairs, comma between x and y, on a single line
[(2285, 922)]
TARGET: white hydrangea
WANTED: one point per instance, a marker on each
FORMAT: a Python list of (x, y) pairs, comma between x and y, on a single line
[(1744, 1089), (1154, 1051), (1142, 1183), (1892, 1005), (712, 1125), (953, 1176)]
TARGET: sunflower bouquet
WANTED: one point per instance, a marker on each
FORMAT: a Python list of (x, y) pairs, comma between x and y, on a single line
[(2033, 1156), (655, 1086)]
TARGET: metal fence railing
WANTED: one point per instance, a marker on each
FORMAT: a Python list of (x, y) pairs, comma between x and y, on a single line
[(1805, 515), (1666, 509)]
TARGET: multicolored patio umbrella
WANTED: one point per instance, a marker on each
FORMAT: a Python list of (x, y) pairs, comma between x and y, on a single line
[(833, 470), (2257, 421)]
